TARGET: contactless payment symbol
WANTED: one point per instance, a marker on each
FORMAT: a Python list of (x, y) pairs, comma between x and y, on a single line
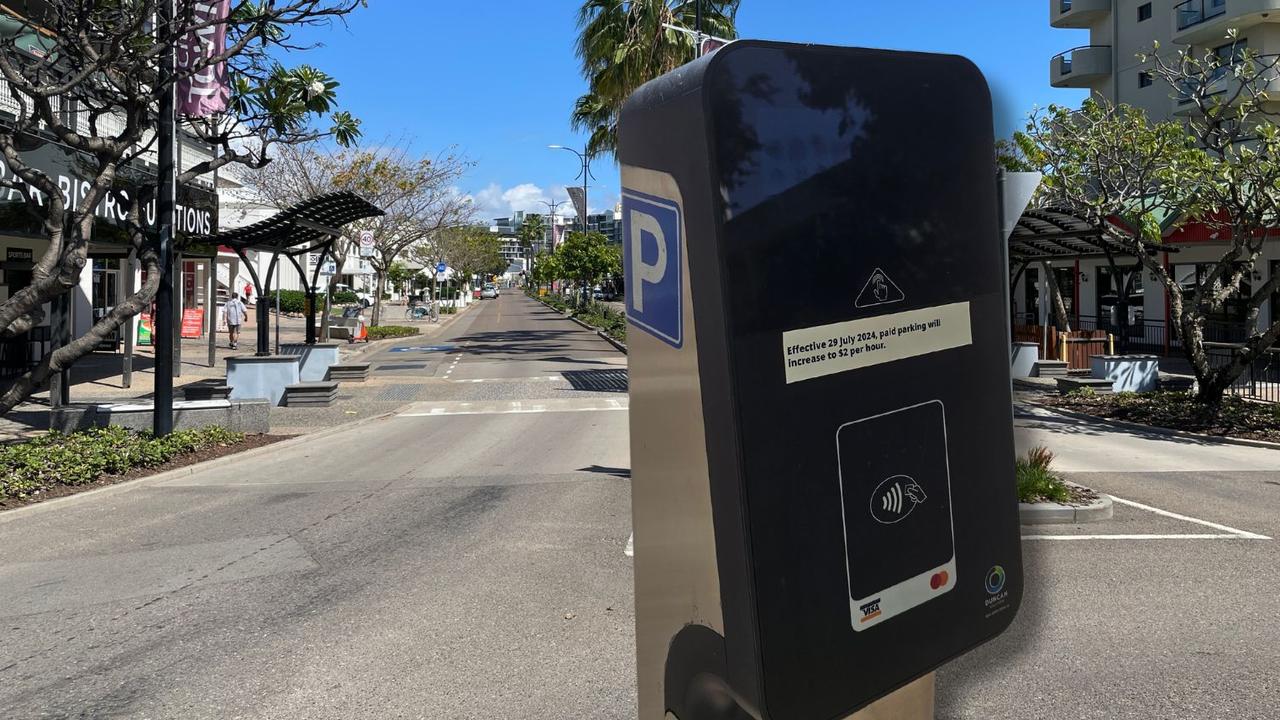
[(878, 290), (895, 498), (651, 263), (895, 490)]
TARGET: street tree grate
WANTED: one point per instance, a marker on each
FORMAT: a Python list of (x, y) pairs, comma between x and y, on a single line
[(402, 366)]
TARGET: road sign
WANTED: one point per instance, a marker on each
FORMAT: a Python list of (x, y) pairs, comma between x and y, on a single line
[(330, 267), (652, 262), (821, 484), (441, 268), (366, 243)]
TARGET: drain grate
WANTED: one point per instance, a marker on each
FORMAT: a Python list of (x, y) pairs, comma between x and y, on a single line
[(597, 380)]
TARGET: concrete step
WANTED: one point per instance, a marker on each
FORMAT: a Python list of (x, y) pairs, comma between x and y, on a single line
[(311, 394), (349, 372), (1101, 386), (202, 390), (1051, 368)]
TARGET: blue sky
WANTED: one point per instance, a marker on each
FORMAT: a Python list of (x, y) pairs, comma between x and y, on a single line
[(497, 79)]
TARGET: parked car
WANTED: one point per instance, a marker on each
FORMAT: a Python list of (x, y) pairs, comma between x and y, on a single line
[(599, 293)]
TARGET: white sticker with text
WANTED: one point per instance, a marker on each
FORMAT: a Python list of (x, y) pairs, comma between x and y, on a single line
[(839, 347)]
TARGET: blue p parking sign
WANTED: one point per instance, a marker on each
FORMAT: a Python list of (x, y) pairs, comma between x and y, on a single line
[(651, 257)]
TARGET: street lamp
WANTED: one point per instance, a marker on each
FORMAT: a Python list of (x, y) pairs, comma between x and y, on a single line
[(585, 173)]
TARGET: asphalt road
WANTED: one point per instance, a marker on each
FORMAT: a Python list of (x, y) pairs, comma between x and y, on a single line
[(464, 559)]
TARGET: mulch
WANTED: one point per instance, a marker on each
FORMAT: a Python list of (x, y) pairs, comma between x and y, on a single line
[(1235, 418), (250, 442)]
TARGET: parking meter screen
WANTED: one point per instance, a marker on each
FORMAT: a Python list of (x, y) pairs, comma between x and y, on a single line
[(865, 317)]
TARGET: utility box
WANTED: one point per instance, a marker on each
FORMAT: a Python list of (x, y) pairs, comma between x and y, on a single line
[(821, 425)]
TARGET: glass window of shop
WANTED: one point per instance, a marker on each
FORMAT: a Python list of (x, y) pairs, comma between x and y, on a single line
[(1108, 302), (1225, 320)]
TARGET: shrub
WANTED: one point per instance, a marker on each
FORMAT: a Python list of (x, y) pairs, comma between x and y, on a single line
[(344, 297), (1036, 480), (381, 332), (82, 457)]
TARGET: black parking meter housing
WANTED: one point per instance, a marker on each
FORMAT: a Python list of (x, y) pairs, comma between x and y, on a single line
[(822, 449)]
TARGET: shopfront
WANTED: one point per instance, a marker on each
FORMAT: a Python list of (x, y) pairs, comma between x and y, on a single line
[(111, 273)]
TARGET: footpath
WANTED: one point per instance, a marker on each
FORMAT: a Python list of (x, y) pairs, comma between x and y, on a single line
[(98, 377)]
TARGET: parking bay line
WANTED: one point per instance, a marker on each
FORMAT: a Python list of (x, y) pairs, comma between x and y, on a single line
[(1229, 533)]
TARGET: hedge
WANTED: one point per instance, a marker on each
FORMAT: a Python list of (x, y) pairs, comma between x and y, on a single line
[(294, 301), (382, 332), (82, 457)]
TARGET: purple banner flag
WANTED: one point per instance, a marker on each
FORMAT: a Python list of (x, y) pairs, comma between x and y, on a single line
[(206, 91)]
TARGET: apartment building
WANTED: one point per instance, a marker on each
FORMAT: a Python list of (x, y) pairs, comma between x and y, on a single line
[(1109, 66)]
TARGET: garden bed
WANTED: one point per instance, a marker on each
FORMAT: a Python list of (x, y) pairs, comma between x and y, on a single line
[(56, 465), (601, 317), (1235, 417)]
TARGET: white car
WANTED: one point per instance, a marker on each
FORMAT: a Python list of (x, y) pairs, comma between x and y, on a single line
[(489, 292), (366, 298)]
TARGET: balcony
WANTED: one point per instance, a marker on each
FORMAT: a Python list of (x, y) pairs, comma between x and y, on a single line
[(1077, 13), (1080, 67), (1205, 22)]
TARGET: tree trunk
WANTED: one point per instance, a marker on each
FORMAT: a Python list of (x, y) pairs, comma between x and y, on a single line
[(1062, 321), (377, 299), (66, 356)]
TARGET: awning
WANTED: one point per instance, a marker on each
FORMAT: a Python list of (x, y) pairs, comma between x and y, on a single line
[(1055, 234)]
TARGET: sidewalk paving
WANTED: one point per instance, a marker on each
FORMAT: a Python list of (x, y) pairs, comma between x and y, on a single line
[(98, 377)]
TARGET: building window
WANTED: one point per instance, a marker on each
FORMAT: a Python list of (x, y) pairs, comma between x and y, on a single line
[(1144, 12), (1144, 79)]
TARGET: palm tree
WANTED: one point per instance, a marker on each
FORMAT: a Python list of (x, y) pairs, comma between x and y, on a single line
[(623, 44)]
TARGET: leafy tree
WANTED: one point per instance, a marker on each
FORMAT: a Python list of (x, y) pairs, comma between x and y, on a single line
[(470, 250), (622, 44), (397, 275), (586, 259), (1121, 172), (94, 88), (531, 234), (1235, 191)]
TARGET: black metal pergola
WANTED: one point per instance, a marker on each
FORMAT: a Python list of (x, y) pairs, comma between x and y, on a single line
[(312, 225), (1046, 234)]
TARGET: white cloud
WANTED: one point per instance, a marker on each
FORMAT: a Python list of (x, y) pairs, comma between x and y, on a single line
[(496, 201)]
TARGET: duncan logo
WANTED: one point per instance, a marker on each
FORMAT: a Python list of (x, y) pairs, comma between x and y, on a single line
[(871, 610)]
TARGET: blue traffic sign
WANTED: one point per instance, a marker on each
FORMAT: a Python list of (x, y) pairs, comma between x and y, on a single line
[(651, 258), (441, 267)]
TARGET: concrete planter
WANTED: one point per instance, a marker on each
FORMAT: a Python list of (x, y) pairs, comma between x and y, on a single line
[(1127, 373), (265, 376), (1023, 358), (247, 416), (315, 360)]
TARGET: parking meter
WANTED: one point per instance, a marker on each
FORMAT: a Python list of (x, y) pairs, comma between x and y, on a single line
[(821, 428)]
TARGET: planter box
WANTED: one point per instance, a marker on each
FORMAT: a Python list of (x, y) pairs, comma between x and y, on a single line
[(1023, 358), (262, 376), (247, 416), (1127, 373), (315, 360)]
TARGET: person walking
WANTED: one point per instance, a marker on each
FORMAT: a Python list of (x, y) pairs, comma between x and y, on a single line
[(235, 313), (248, 292)]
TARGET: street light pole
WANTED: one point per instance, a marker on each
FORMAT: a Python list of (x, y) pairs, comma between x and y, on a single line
[(586, 171)]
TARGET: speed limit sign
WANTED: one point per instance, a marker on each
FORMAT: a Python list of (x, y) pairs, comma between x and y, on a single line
[(366, 243)]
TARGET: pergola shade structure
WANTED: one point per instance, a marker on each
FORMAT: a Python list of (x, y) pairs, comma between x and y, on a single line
[(1046, 234), (312, 225)]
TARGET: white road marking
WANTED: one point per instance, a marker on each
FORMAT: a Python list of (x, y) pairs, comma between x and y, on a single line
[(1191, 536), (1186, 518), (536, 378), (512, 407), (631, 546), (1230, 533)]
